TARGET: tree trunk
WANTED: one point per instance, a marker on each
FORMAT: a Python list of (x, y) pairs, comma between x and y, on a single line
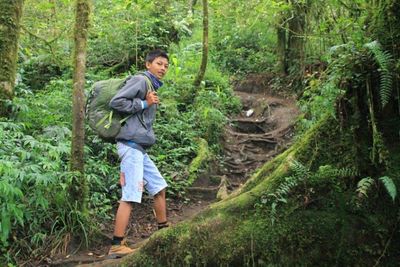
[(296, 43), (281, 46), (10, 17), (78, 189), (202, 71)]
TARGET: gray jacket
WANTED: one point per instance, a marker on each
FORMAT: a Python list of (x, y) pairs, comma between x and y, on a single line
[(139, 127)]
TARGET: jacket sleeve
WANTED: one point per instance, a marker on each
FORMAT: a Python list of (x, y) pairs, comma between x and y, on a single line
[(128, 100)]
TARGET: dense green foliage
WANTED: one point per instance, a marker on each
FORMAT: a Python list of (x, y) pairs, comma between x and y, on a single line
[(340, 176), (35, 152), (35, 176), (243, 42)]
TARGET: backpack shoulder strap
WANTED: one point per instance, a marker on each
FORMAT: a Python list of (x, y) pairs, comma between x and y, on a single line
[(149, 84)]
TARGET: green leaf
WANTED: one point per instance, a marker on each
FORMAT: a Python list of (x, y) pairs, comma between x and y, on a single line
[(364, 185), (390, 186), (5, 225)]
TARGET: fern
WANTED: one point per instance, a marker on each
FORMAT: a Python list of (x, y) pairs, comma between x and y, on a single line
[(363, 186), (281, 193), (384, 60), (390, 186), (346, 172), (300, 173), (330, 171), (299, 169), (285, 188)]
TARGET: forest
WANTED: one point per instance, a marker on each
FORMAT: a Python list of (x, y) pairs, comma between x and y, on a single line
[(278, 132)]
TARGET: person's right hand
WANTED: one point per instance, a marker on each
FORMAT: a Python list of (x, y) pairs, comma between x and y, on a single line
[(152, 98)]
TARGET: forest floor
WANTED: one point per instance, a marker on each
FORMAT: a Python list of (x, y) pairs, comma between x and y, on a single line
[(262, 130)]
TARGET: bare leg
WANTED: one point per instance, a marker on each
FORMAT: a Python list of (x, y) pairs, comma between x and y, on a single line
[(122, 218), (160, 206)]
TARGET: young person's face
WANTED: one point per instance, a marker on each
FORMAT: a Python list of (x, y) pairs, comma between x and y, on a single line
[(158, 67)]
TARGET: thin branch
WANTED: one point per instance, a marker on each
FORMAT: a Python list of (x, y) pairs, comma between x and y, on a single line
[(47, 42)]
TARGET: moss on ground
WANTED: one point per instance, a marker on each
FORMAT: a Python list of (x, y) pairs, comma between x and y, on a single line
[(200, 161)]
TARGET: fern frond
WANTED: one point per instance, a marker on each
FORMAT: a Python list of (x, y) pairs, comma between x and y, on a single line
[(364, 185), (299, 169), (390, 186), (300, 172), (285, 188), (347, 172), (328, 171), (384, 60)]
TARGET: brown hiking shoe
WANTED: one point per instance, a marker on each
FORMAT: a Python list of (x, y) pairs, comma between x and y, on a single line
[(118, 251), (162, 225)]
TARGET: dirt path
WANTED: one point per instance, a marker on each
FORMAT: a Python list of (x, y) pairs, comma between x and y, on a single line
[(142, 225), (261, 131)]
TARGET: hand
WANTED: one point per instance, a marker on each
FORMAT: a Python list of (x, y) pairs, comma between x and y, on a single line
[(152, 98)]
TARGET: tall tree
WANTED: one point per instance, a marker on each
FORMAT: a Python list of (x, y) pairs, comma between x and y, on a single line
[(204, 57), (296, 41), (281, 45), (79, 189), (9, 31)]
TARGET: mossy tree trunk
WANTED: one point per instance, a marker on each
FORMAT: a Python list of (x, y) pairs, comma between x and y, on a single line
[(10, 17), (204, 58), (281, 45), (296, 41), (78, 189), (239, 231)]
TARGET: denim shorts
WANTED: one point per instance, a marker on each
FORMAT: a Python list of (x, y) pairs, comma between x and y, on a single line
[(140, 172)]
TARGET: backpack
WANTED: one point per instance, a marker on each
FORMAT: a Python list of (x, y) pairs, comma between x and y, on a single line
[(105, 121)]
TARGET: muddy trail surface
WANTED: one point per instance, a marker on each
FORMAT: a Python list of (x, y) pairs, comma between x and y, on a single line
[(263, 129)]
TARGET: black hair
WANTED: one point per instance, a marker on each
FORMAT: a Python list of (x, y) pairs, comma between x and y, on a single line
[(156, 53)]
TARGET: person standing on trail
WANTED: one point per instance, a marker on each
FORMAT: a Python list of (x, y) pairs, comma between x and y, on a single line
[(137, 169)]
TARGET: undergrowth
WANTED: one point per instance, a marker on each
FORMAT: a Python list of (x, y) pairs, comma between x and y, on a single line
[(35, 155)]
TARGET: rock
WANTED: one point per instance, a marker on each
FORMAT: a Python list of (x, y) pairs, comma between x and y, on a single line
[(249, 112)]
